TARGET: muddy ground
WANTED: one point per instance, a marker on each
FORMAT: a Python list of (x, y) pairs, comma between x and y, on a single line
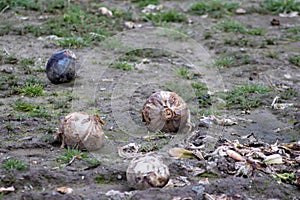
[(117, 96)]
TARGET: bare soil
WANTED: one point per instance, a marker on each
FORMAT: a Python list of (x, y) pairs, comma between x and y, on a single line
[(117, 96)]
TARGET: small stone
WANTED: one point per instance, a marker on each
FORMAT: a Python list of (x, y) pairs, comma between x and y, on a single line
[(275, 22), (105, 11), (240, 11), (65, 190), (130, 25), (199, 190)]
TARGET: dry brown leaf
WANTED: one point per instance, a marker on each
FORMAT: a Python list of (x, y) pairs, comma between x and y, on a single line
[(235, 155)]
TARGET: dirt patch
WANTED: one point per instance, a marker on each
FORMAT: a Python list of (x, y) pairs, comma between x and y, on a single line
[(231, 68)]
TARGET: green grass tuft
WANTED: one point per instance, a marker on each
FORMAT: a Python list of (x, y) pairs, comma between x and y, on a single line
[(123, 65), (31, 90), (201, 93), (295, 60), (144, 3), (169, 16), (24, 106), (236, 27), (215, 8), (12, 163), (183, 72), (246, 97), (69, 154), (31, 109), (281, 6)]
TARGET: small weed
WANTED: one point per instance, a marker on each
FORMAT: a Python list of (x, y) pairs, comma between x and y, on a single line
[(31, 109), (69, 154), (295, 60), (103, 179), (231, 26), (12, 163), (154, 145), (237, 27), (27, 4), (73, 42), (281, 6), (32, 80), (148, 53), (255, 31), (288, 94), (93, 161), (225, 62), (292, 34), (40, 111), (285, 177), (122, 14), (215, 8), (202, 96), (31, 90), (75, 24), (123, 65), (130, 57), (169, 16), (8, 81), (272, 54), (242, 42), (144, 3), (24, 106), (207, 35), (183, 72), (27, 64), (27, 61), (8, 58), (246, 97), (233, 59), (270, 41)]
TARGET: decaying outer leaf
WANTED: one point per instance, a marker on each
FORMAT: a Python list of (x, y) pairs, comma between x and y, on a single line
[(105, 11), (64, 190), (6, 189), (80, 130), (273, 159), (181, 153), (147, 171), (235, 155), (129, 151), (165, 111)]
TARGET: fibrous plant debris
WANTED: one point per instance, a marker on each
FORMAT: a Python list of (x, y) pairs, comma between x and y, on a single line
[(249, 159)]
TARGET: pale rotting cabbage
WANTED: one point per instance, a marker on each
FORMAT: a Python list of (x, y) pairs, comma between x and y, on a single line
[(165, 111), (147, 171), (82, 131)]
